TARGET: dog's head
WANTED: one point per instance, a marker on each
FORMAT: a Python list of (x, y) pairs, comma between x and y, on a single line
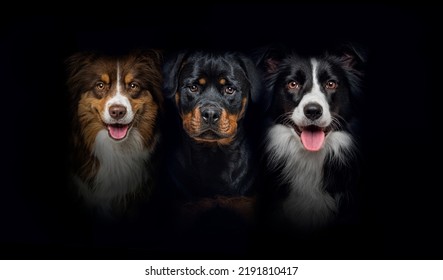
[(115, 96), (211, 92), (314, 94)]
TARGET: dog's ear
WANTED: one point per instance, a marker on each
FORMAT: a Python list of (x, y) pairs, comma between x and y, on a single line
[(171, 72), (353, 57), (254, 78), (267, 60), (74, 65), (152, 61)]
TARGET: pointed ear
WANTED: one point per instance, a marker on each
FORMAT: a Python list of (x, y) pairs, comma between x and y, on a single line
[(268, 58), (171, 72), (272, 65), (353, 57)]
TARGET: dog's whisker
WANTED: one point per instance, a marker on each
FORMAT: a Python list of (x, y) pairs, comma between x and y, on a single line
[(314, 194), (113, 144)]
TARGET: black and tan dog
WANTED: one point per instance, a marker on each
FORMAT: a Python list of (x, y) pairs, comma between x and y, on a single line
[(212, 160), (212, 93)]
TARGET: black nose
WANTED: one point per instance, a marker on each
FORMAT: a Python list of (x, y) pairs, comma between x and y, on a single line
[(313, 111), (117, 111), (210, 114)]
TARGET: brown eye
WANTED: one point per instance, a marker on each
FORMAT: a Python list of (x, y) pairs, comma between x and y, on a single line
[(134, 89), (100, 85), (293, 85), (331, 84), (133, 86), (229, 90), (193, 88)]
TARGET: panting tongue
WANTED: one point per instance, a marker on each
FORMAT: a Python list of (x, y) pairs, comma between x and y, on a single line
[(312, 139), (118, 131)]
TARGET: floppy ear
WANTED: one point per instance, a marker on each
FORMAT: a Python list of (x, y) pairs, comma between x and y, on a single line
[(75, 64), (171, 71), (254, 77)]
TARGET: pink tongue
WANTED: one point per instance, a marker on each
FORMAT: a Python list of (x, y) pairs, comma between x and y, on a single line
[(312, 139), (118, 131)]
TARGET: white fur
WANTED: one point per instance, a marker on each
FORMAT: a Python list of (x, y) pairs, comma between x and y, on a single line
[(118, 99), (308, 205), (314, 96), (122, 169)]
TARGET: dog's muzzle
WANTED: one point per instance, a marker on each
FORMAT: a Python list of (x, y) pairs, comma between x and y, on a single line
[(210, 114)]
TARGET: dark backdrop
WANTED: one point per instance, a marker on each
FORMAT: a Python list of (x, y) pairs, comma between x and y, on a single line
[(401, 190)]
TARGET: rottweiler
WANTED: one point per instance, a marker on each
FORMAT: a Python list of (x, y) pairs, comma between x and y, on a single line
[(213, 94), (213, 101)]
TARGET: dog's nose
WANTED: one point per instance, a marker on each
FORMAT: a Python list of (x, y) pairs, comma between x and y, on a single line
[(117, 111), (210, 114), (313, 111)]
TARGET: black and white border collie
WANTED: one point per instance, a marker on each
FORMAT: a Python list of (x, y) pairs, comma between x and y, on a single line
[(311, 149)]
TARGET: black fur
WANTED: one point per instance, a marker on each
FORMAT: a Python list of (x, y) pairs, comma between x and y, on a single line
[(210, 174), (203, 169), (339, 177)]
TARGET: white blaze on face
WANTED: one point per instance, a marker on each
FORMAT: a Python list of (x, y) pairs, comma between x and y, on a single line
[(118, 99), (313, 139), (118, 128)]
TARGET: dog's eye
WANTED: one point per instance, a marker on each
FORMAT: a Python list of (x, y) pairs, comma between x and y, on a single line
[(100, 85), (229, 90), (293, 85), (193, 88), (133, 86), (134, 89), (331, 84)]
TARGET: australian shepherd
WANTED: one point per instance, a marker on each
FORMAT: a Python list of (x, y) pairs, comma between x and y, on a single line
[(311, 147), (116, 106)]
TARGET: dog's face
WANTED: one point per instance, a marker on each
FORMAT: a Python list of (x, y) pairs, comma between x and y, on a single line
[(117, 95), (312, 95), (211, 92)]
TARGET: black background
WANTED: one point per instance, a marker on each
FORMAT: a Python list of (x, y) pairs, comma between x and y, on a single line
[(401, 187)]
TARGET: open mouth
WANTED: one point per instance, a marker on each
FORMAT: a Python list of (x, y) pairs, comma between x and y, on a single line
[(118, 131), (312, 136)]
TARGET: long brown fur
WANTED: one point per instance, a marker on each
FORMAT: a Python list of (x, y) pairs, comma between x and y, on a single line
[(88, 101)]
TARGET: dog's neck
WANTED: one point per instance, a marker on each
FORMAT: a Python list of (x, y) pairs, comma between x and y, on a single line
[(217, 169), (116, 171)]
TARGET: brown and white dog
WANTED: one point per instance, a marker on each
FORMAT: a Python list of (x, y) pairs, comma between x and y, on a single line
[(116, 104)]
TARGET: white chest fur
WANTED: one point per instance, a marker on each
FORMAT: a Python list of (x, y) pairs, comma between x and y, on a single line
[(308, 205), (122, 169)]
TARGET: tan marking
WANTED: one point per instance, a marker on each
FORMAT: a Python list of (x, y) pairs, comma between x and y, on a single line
[(177, 100), (88, 108), (105, 78), (226, 141), (202, 81), (129, 78), (228, 123), (227, 126), (243, 107), (222, 81), (147, 111), (240, 205), (88, 123), (192, 121)]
